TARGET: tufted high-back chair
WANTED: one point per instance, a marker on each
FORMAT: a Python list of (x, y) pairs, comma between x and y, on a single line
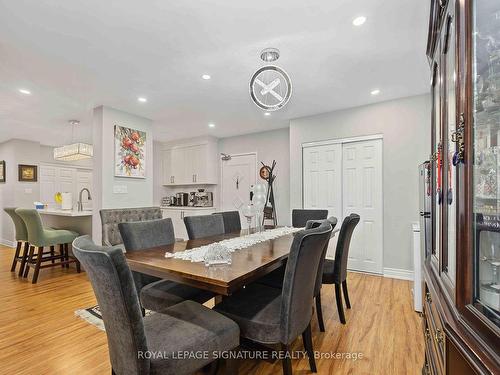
[(110, 218)]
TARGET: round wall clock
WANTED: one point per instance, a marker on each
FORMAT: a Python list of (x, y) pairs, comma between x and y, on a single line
[(270, 88), (264, 172)]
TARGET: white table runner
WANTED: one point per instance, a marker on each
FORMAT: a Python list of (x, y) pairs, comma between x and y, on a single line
[(233, 244)]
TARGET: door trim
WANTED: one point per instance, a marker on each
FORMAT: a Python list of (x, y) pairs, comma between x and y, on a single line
[(342, 140), (221, 205), (326, 142)]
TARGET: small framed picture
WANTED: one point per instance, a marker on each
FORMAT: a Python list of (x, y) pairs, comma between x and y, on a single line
[(2, 170), (28, 173)]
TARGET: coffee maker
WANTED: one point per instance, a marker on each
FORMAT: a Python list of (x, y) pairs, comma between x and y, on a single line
[(181, 199)]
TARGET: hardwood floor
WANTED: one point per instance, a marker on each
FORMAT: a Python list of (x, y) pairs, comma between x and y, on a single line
[(39, 333)]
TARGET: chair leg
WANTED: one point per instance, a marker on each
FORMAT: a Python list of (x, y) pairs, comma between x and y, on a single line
[(319, 313), (52, 253), (24, 258), (231, 366), (212, 368), (37, 265), (308, 344), (16, 255), (286, 362), (61, 252), (340, 307), (346, 295), (29, 261), (78, 268), (66, 254)]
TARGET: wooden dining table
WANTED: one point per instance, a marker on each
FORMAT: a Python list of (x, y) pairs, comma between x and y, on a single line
[(247, 264)]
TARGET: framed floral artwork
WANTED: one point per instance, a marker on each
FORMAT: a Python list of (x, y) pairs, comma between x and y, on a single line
[(130, 152)]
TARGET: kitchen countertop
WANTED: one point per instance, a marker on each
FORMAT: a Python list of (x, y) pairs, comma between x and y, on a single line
[(186, 208), (68, 213)]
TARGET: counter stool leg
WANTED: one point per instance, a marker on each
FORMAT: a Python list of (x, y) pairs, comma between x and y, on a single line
[(66, 254), (29, 261), (61, 252), (16, 255), (37, 265), (24, 258)]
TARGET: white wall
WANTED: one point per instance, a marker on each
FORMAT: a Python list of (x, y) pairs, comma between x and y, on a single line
[(404, 124), (139, 191), (15, 193), (268, 145)]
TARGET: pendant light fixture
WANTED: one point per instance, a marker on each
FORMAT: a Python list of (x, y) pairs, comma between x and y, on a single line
[(73, 151)]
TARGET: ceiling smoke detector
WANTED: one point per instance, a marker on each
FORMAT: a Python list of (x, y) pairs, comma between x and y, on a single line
[(270, 54)]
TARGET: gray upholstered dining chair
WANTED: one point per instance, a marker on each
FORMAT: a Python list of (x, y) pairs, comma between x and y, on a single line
[(204, 226), (335, 270), (232, 221), (275, 278), (301, 216), (158, 294), (270, 315), (110, 218), (185, 327)]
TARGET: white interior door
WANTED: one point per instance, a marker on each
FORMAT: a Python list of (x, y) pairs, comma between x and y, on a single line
[(362, 194), (323, 182), (238, 175)]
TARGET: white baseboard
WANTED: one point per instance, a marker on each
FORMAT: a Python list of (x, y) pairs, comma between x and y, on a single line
[(397, 273), (7, 243)]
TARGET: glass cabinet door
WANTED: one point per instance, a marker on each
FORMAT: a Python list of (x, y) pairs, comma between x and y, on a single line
[(486, 157), (436, 163), (450, 160)]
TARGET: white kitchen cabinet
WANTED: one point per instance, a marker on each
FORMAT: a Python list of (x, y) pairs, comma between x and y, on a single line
[(166, 167), (177, 215), (84, 180), (54, 179), (190, 164), (48, 184)]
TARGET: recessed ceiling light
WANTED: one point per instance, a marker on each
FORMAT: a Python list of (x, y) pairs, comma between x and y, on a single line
[(25, 92), (375, 92), (267, 114), (206, 76), (141, 99), (358, 21), (211, 125)]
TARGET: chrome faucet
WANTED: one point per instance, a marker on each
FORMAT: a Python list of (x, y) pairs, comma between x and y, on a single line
[(80, 203)]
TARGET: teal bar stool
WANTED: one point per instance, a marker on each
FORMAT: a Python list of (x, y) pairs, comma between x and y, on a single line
[(40, 237), (21, 237)]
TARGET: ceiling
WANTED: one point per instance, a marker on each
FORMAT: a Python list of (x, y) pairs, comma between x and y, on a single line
[(76, 55)]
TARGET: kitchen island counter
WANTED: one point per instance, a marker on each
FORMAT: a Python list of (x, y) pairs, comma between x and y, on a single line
[(78, 221), (70, 213)]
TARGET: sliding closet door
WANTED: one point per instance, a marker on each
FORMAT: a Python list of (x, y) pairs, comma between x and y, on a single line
[(322, 170), (362, 194), (322, 178)]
